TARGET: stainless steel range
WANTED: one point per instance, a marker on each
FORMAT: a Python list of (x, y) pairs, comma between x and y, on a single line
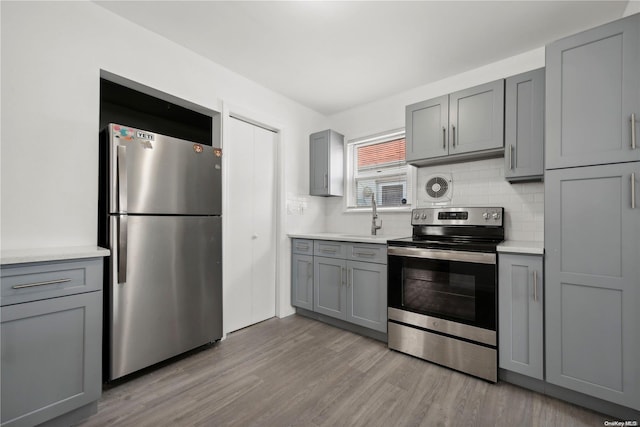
[(442, 288)]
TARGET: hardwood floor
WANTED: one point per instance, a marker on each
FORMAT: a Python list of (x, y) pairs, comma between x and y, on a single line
[(300, 372)]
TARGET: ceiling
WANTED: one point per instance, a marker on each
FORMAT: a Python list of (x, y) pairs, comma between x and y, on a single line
[(334, 55)]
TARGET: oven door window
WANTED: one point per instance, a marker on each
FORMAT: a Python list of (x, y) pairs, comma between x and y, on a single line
[(459, 291)]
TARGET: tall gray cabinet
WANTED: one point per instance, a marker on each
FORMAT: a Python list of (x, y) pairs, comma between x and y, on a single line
[(592, 220)]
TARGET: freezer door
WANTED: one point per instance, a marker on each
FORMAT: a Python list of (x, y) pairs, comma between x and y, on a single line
[(157, 174), (168, 299)]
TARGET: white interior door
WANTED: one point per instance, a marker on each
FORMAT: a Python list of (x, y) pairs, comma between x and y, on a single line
[(250, 253)]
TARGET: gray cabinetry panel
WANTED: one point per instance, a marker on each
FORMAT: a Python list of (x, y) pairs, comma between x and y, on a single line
[(367, 252), (326, 163), (476, 118), (330, 249), (367, 295), (593, 87), (302, 281), (302, 246), (330, 293), (36, 281), (592, 237), (51, 357), (521, 296), (524, 126), (427, 129)]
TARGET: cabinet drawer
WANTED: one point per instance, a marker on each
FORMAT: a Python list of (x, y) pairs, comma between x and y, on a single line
[(367, 252), (36, 281), (330, 249), (302, 246)]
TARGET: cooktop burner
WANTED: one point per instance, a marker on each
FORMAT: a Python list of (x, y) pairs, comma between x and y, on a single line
[(478, 229)]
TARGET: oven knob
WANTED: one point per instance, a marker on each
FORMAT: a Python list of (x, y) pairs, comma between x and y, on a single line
[(424, 216), (496, 215), (485, 215), (416, 216)]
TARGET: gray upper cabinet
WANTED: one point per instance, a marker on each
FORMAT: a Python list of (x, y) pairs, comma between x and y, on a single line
[(464, 125), (476, 118), (593, 88), (427, 124), (524, 126), (592, 239), (521, 296), (326, 152)]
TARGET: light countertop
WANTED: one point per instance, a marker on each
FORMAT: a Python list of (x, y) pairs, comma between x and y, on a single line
[(346, 237), (521, 247), (20, 256)]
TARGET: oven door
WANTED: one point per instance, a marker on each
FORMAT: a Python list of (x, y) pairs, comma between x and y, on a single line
[(454, 285)]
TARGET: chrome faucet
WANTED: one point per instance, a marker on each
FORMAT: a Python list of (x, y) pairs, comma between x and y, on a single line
[(374, 224)]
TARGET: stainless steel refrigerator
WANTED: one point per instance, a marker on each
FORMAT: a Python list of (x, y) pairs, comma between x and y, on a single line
[(161, 217)]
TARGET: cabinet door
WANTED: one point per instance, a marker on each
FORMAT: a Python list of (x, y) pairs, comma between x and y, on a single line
[(319, 164), (51, 357), (476, 118), (592, 237), (367, 295), (524, 126), (521, 297), (427, 133), (329, 286), (593, 87), (302, 281)]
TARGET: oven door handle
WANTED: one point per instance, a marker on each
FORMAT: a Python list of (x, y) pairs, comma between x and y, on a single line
[(460, 256)]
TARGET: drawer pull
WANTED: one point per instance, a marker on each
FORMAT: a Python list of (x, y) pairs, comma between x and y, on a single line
[(304, 247), (48, 282), (329, 251), (364, 254)]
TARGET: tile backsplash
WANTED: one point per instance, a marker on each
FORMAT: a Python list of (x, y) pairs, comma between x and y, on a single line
[(482, 183)]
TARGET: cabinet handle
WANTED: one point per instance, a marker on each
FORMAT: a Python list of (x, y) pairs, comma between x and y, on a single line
[(535, 285), (326, 180), (350, 281), (309, 270), (510, 156), (444, 138), (344, 276), (364, 254), (122, 249), (122, 178), (633, 190), (48, 282), (633, 131), (453, 134)]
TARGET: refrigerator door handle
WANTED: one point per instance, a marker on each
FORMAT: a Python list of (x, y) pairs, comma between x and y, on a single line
[(122, 179), (122, 249)]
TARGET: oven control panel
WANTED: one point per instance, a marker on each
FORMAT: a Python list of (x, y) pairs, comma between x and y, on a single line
[(488, 216)]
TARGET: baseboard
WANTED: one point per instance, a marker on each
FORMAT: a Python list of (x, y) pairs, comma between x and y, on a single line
[(73, 417), (617, 412), (376, 335)]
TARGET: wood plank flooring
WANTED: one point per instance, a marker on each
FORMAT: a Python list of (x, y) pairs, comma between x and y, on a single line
[(299, 372)]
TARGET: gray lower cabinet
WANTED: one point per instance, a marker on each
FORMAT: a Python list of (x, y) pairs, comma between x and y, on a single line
[(367, 295), (51, 333), (524, 126), (592, 239), (329, 284), (326, 152), (521, 296), (346, 281), (592, 87), (463, 125), (302, 281)]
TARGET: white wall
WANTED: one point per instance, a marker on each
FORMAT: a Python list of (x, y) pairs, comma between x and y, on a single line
[(475, 183), (632, 7), (52, 54)]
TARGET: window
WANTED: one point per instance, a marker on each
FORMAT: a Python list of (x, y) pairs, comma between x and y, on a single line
[(376, 167)]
